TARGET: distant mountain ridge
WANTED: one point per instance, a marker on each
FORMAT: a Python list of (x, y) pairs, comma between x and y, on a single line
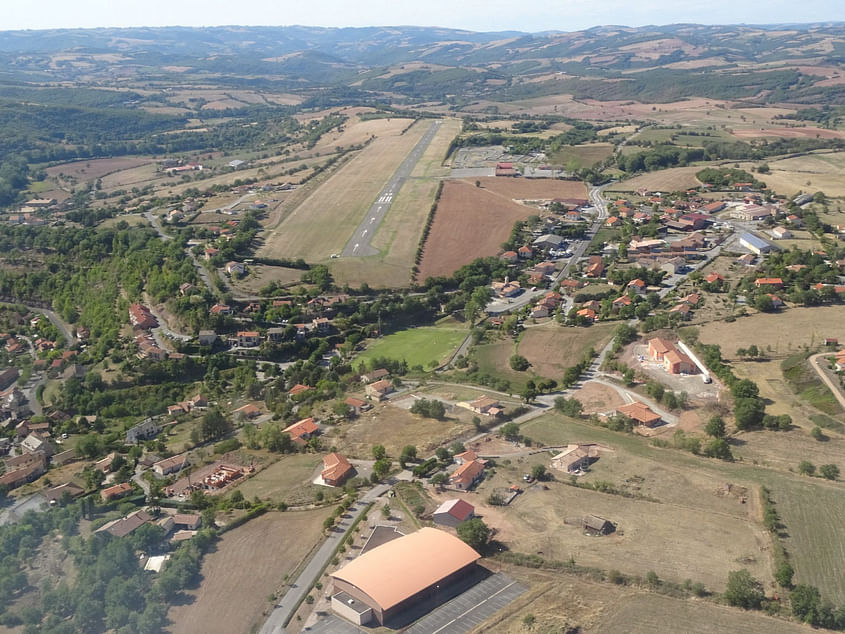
[(797, 63)]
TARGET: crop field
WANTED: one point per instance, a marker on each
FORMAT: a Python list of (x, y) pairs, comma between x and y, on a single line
[(427, 346), (551, 348), (399, 233), (673, 179), (814, 513), (323, 223), (643, 613), (246, 566), (583, 155), (395, 427), (134, 176), (456, 237), (287, 480), (781, 333), (95, 168)]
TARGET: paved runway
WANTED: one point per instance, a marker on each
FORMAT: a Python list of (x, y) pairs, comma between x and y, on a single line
[(359, 243)]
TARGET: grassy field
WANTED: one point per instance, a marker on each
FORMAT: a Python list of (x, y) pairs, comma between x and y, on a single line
[(427, 346), (323, 223), (398, 235), (551, 349), (247, 565), (696, 529), (582, 155), (260, 275), (134, 220), (287, 480), (674, 179), (494, 359), (782, 333), (643, 613), (814, 513), (813, 172), (804, 381), (394, 427)]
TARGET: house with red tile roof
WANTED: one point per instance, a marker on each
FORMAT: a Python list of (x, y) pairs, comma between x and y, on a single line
[(774, 282), (465, 476), (336, 469)]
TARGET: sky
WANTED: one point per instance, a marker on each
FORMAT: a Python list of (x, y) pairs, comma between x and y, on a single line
[(476, 15)]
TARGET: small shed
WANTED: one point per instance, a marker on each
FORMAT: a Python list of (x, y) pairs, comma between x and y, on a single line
[(595, 525)]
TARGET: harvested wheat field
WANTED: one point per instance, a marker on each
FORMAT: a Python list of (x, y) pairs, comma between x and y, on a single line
[(247, 566), (95, 168), (472, 222), (674, 179)]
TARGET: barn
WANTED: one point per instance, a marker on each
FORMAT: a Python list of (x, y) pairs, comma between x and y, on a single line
[(453, 512), (386, 580)]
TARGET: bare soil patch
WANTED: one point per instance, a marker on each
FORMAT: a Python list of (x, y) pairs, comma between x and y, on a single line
[(472, 222), (597, 398), (247, 566)]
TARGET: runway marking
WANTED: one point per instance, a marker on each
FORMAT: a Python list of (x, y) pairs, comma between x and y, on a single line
[(356, 247), (372, 220), (363, 234)]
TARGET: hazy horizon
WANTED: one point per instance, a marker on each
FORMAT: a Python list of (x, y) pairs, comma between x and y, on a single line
[(474, 15)]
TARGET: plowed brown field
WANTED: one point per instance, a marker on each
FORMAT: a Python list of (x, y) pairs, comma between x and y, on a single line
[(473, 222)]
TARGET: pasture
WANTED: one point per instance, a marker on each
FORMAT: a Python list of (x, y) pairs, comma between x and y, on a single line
[(583, 155), (427, 346), (681, 536), (814, 513), (472, 222), (551, 348), (246, 566), (780, 334), (287, 480), (644, 613), (322, 223), (820, 171), (395, 427)]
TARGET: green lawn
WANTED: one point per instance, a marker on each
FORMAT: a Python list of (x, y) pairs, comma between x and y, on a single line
[(417, 346)]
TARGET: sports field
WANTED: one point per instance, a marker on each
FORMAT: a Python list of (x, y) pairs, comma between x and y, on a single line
[(427, 346)]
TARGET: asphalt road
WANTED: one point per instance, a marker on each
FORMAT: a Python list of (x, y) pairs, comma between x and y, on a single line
[(284, 610), (359, 243)]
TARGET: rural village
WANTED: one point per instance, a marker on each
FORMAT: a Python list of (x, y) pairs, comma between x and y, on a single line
[(510, 366)]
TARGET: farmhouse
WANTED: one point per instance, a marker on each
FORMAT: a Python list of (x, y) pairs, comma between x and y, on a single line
[(125, 525), (248, 338), (575, 458), (485, 405), (386, 580), (453, 512), (170, 465), (379, 390), (773, 282), (116, 491), (465, 476), (302, 430), (375, 375), (639, 413), (144, 430), (357, 405), (336, 469)]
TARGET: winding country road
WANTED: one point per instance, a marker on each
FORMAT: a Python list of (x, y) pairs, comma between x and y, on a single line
[(837, 391)]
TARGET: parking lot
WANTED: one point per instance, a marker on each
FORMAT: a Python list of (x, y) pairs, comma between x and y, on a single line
[(471, 608)]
